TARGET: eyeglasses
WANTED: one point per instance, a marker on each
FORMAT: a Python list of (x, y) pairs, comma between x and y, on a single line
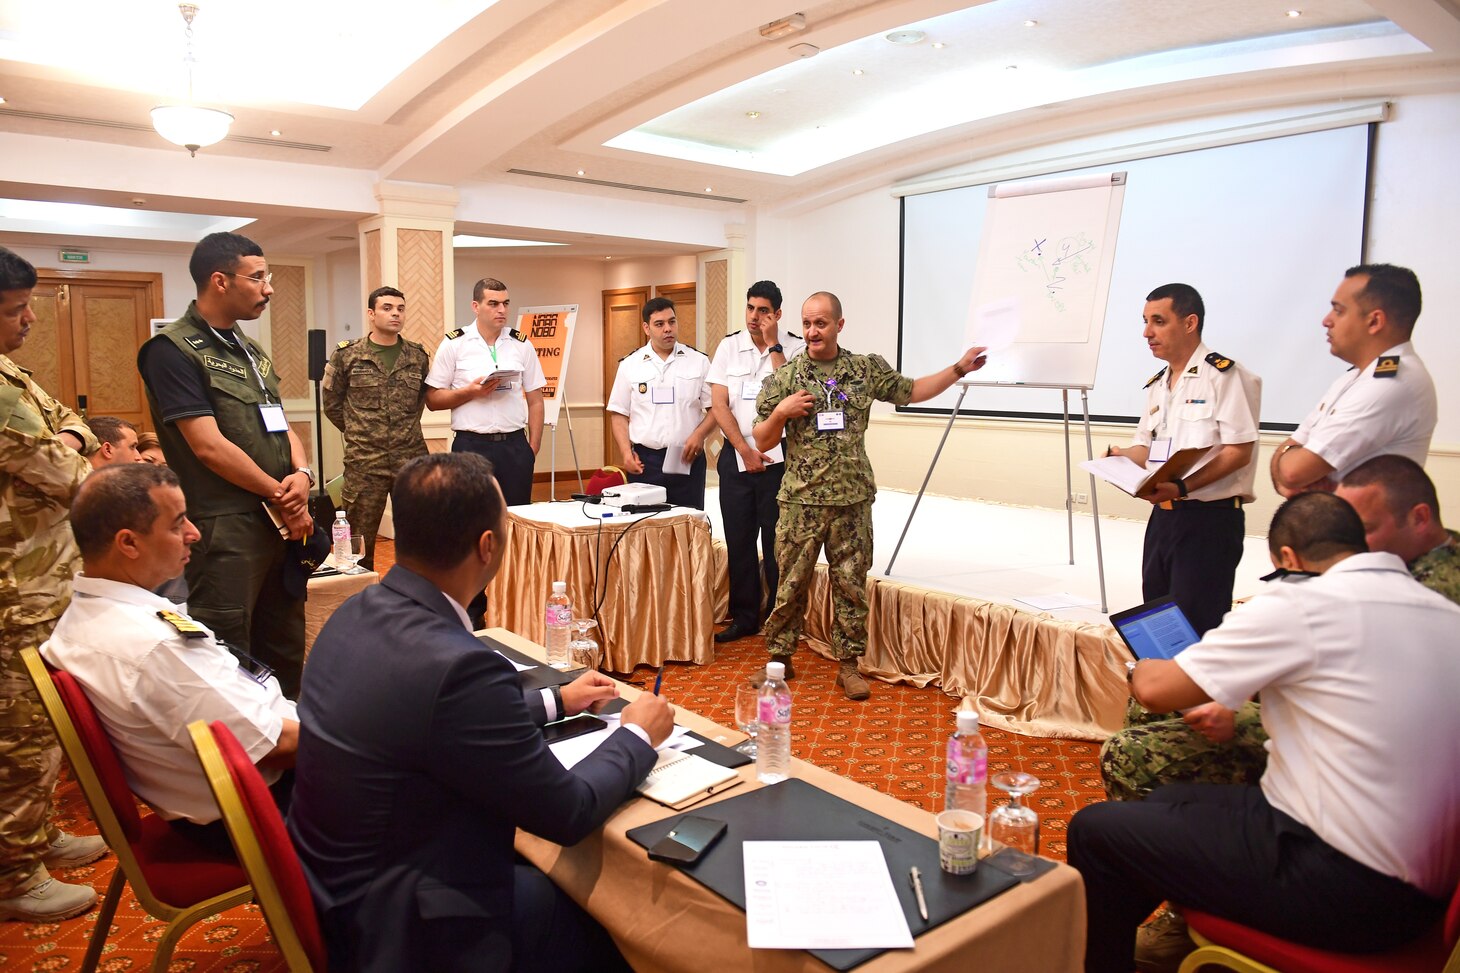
[(264, 279), (496, 304)]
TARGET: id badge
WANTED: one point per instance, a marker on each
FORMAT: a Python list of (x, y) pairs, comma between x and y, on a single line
[(750, 390), (274, 420), (661, 394), (831, 421), (1160, 450)]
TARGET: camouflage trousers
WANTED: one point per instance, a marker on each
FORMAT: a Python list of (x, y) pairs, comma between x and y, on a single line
[(365, 495), (801, 532), (30, 762), (1159, 748)]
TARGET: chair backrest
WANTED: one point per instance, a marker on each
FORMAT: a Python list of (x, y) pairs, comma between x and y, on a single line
[(607, 477), (263, 845), (89, 748)]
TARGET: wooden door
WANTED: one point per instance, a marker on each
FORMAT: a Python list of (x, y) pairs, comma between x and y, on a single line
[(83, 347), (683, 296), (623, 331)]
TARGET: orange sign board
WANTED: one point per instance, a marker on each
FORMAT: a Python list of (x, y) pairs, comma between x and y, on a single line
[(550, 329)]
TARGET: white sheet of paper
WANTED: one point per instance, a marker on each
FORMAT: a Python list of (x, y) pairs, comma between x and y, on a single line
[(1055, 601), (1159, 452), (821, 895), (674, 459), (516, 665), (574, 749), (1118, 471), (507, 378), (994, 325), (777, 454)]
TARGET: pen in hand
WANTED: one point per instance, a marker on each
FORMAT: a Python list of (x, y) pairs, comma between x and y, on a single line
[(916, 877), (658, 680)]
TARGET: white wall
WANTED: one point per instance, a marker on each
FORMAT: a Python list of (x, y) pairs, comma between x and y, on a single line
[(851, 247)]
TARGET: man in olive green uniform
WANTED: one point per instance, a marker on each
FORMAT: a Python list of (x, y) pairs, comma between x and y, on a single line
[(41, 464), (374, 391), (1400, 511), (820, 402), (215, 401)]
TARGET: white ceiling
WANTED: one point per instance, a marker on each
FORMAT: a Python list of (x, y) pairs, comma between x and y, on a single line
[(655, 93)]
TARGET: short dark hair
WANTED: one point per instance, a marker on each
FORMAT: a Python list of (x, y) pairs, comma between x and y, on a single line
[(219, 253), (1405, 484), (108, 429), (768, 290), (1317, 526), (1393, 290), (1185, 301), (655, 305), (442, 503), (484, 285), (836, 302), (113, 499), (380, 292), (16, 273)]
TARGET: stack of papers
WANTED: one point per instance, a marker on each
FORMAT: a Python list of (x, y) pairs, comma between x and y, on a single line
[(821, 895)]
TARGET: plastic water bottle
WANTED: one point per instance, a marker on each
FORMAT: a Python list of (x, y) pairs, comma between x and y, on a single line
[(558, 616), (340, 534), (773, 742), (966, 788)]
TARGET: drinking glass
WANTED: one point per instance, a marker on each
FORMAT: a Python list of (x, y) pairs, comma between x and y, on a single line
[(584, 650), (747, 711), (357, 551), (1014, 825)]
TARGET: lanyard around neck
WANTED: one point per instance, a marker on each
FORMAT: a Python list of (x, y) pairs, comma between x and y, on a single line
[(253, 367)]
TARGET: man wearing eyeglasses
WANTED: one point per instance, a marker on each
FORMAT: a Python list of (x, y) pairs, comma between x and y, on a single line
[(215, 403)]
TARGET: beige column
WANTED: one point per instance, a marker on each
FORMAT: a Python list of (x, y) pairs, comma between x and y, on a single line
[(408, 246)]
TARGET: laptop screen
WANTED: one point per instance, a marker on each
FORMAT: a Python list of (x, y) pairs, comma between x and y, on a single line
[(1156, 630)]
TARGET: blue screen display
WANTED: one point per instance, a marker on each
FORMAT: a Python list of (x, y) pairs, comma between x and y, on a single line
[(1159, 632)]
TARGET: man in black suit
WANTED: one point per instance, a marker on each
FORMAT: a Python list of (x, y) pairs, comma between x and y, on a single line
[(418, 757)]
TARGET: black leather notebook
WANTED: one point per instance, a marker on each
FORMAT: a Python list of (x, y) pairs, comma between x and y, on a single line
[(794, 810)]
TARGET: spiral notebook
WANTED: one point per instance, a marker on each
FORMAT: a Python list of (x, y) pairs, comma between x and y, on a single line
[(680, 779)]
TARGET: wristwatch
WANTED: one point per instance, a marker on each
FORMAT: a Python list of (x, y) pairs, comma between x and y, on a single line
[(776, 349), (307, 472)]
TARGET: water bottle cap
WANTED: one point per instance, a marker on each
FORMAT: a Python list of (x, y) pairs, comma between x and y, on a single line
[(967, 719), (339, 515), (559, 587), (775, 670)]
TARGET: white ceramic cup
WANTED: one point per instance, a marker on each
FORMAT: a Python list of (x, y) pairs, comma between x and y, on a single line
[(959, 833)]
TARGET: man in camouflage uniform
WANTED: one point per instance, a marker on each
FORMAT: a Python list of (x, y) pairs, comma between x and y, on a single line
[(374, 391), (820, 403), (41, 464), (1400, 510)]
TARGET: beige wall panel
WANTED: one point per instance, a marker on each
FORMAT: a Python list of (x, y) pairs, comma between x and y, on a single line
[(372, 261), (419, 266), (717, 283), (289, 325)]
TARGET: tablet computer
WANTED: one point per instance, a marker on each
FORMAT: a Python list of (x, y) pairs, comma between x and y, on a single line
[(1156, 630)]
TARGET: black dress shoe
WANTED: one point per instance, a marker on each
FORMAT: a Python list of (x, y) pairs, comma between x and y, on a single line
[(734, 631)]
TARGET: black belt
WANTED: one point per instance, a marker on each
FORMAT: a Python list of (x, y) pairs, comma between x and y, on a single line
[(1224, 502), (492, 437)]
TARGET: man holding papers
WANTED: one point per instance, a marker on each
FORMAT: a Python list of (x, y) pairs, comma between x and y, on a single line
[(749, 478), (418, 760), (1200, 399)]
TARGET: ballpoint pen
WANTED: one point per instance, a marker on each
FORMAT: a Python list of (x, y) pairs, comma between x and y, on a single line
[(658, 679), (916, 877)]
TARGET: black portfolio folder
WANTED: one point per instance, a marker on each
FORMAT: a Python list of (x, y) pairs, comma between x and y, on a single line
[(539, 676), (715, 753), (794, 810)]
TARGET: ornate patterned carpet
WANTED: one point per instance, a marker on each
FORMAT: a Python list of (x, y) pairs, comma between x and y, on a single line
[(893, 742)]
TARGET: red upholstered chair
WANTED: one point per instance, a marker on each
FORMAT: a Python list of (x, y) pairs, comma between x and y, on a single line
[(173, 878), (263, 846), (1233, 946), (609, 476)]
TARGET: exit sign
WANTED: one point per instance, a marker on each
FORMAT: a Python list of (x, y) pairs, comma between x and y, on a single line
[(75, 257)]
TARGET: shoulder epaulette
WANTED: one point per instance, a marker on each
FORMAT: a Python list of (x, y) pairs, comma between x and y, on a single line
[(517, 334), (1387, 366), (196, 340), (186, 627), (696, 351), (792, 334), (455, 333), (1154, 378), (733, 334), (343, 344), (1218, 362), (626, 357)]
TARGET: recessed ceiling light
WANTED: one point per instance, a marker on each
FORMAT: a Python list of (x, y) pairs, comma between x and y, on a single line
[(275, 133), (858, 72), (1031, 23), (709, 189), (582, 172), (608, 258), (2, 101), (938, 45), (1295, 13), (906, 36), (752, 114)]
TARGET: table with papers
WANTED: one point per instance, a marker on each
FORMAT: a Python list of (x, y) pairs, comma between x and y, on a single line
[(664, 920), (658, 590)]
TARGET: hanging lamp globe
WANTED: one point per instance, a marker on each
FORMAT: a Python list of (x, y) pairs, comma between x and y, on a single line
[(191, 126)]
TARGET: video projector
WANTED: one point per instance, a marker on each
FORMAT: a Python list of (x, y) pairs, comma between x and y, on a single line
[(634, 495)]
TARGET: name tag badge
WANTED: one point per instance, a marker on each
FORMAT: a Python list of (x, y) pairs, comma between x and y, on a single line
[(274, 420), (750, 390), (1160, 450), (661, 394), (831, 421)]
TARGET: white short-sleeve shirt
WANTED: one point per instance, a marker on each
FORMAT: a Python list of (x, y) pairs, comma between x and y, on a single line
[(664, 398), (1211, 404), (147, 682), (464, 356), (741, 368), (1388, 406), (1357, 671)]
